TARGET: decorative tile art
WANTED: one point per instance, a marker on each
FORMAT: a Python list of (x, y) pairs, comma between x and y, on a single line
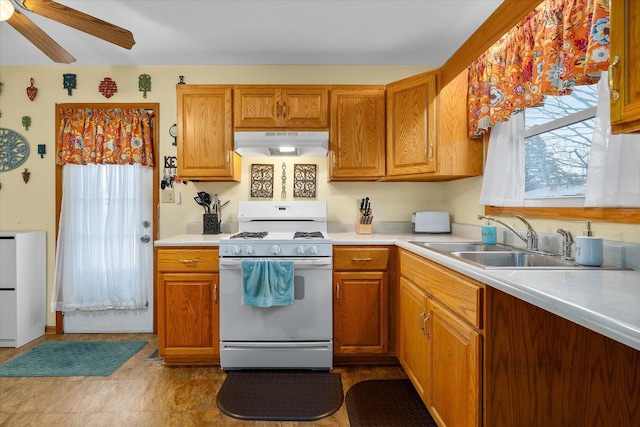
[(304, 180), (261, 180)]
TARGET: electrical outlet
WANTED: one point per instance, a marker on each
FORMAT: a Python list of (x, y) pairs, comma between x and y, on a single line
[(168, 196)]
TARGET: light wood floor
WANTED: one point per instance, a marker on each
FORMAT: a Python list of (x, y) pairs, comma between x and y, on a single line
[(139, 393)]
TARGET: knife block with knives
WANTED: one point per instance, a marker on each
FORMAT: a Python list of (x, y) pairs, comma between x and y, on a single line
[(364, 218)]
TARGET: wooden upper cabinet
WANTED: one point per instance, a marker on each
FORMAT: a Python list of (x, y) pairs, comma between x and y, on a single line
[(281, 107), (357, 137), (205, 134), (625, 63), (411, 126)]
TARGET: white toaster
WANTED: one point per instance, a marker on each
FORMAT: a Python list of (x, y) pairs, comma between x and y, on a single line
[(430, 222)]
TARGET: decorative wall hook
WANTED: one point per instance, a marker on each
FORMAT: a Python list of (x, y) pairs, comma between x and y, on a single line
[(144, 84), (42, 150), (69, 82), (32, 91), (26, 122), (25, 175), (181, 80), (107, 87)]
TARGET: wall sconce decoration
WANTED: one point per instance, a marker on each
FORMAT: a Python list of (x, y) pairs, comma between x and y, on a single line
[(304, 181), (173, 131), (69, 82), (262, 181), (42, 150), (107, 87), (26, 122), (144, 84), (180, 80), (283, 194), (14, 149), (32, 91), (25, 175)]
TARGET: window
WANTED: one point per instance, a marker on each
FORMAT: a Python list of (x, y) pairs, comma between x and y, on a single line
[(557, 145)]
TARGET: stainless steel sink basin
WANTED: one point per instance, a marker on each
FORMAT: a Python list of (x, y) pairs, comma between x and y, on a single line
[(515, 259), (463, 246)]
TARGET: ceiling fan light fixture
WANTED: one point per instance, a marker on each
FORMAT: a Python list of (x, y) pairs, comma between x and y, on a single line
[(6, 10)]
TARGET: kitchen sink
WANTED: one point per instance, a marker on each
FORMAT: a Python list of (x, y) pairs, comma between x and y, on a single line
[(491, 257), (515, 259), (463, 246)]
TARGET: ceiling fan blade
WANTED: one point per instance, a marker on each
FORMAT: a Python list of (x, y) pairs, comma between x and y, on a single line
[(39, 38), (81, 21)]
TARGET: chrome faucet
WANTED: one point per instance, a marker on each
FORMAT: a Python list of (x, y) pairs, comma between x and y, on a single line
[(567, 241), (531, 238)]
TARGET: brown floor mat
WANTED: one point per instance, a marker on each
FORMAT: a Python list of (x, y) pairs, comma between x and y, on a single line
[(386, 403), (280, 395)]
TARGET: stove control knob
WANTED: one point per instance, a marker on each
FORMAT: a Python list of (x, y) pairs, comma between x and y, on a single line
[(300, 250), (235, 250), (313, 250), (275, 249), (250, 250)]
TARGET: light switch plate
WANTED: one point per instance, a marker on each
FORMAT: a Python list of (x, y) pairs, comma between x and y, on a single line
[(168, 196)]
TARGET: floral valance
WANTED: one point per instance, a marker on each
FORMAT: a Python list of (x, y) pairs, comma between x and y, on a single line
[(561, 44), (105, 136)]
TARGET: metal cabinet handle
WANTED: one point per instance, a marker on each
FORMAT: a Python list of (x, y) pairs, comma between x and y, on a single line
[(614, 93), (278, 109), (338, 292), (215, 293), (421, 321), (284, 109), (360, 259), (189, 261), (426, 323)]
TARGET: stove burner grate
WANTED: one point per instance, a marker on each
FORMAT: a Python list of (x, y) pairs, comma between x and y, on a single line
[(308, 235), (250, 235)]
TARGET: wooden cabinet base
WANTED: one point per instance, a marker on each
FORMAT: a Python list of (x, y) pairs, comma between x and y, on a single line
[(191, 359), (546, 370)]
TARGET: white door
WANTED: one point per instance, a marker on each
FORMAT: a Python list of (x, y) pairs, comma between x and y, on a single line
[(139, 320)]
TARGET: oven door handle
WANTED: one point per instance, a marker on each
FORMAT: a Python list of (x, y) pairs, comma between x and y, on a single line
[(297, 263)]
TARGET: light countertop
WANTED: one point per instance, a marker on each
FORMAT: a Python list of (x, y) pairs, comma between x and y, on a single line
[(605, 301)]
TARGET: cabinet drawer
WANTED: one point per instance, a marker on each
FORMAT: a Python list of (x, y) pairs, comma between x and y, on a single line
[(188, 260), (459, 294), (360, 258)]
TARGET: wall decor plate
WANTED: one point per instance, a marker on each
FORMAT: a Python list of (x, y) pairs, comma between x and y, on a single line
[(14, 149), (261, 180), (304, 180)]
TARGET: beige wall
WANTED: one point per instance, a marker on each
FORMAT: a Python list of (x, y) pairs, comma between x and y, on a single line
[(32, 206)]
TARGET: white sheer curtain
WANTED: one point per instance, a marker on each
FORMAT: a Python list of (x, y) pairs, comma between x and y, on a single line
[(504, 172), (613, 176), (100, 259)]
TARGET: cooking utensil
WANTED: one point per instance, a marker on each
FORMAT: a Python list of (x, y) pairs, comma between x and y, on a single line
[(206, 200), (201, 203)]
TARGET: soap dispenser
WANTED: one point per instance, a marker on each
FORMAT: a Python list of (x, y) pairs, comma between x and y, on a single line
[(489, 234), (589, 249)]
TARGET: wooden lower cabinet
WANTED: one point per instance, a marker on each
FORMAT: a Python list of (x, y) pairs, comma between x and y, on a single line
[(361, 304), (440, 352), (188, 310)]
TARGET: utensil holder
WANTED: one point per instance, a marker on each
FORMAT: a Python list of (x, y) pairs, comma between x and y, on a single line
[(363, 228), (210, 224)]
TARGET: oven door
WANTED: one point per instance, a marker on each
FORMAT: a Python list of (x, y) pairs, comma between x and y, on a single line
[(309, 318)]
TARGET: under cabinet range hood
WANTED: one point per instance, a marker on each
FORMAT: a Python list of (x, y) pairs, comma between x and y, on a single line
[(281, 143)]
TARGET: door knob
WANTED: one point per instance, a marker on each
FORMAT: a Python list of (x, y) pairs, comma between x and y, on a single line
[(145, 239)]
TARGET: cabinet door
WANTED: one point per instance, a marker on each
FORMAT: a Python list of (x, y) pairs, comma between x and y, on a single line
[(188, 315), (361, 313), (305, 108), (411, 126), (625, 100), (454, 365), (257, 107), (357, 140), (205, 138), (412, 340)]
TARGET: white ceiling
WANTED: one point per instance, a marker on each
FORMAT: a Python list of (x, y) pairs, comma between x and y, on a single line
[(208, 32)]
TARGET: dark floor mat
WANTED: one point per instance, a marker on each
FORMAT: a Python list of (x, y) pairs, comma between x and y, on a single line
[(386, 403), (280, 395)]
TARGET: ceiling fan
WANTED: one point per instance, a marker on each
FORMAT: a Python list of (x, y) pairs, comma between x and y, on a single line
[(64, 15)]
